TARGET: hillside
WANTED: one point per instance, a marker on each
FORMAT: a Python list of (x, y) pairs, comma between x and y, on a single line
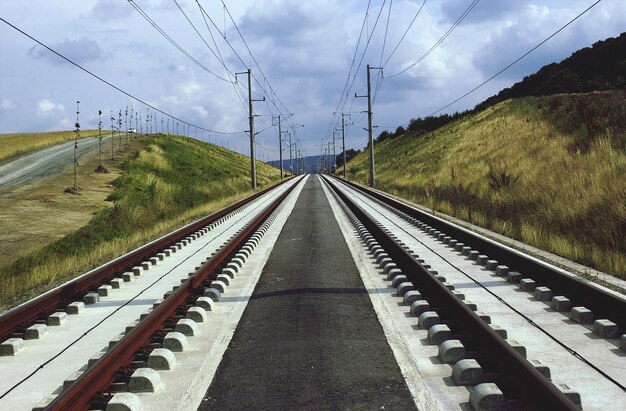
[(20, 143), (549, 171), (168, 182), (601, 67)]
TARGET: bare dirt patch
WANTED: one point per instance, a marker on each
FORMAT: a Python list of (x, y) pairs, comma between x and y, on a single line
[(39, 213)]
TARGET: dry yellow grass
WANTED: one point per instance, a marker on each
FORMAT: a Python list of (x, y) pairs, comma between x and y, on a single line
[(560, 197), (172, 182), (60, 269), (19, 143)]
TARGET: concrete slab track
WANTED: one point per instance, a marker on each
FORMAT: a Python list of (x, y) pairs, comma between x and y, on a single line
[(309, 337)]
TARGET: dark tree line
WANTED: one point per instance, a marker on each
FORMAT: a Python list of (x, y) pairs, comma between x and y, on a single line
[(350, 154)]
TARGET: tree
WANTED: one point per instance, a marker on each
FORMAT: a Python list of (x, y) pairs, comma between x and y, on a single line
[(350, 154)]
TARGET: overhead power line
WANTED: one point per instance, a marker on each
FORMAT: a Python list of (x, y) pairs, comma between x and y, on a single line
[(382, 52), (404, 35), (344, 92), (111, 84), (174, 43), (441, 39), (516, 60), (269, 95), (223, 35)]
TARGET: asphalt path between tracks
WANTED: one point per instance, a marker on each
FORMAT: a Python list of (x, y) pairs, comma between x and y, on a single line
[(309, 337)]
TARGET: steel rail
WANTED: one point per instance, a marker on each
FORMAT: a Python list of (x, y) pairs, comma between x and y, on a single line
[(98, 377), (26, 314), (516, 377), (581, 292)]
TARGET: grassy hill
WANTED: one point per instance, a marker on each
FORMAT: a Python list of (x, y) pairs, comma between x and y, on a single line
[(171, 181), (20, 143), (549, 171)]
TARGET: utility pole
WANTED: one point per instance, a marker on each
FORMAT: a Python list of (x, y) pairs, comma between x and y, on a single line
[(330, 162), (119, 127), (343, 139), (280, 148), (369, 123), (76, 148), (334, 168), (112, 136), (290, 157), (251, 121), (126, 123), (100, 138), (132, 116)]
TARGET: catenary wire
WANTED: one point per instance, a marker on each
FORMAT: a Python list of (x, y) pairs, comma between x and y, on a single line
[(174, 43), (441, 39), (404, 34), (516, 60), (111, 84)]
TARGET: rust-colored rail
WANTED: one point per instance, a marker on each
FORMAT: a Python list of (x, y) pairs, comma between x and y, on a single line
[(102, 373), (603, 304), (516, 376), (26, 314)]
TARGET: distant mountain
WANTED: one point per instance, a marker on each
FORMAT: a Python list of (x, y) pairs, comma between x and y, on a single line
[(312, 164), (597, 68)]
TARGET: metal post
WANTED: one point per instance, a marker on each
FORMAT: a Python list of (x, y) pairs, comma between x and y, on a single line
[(290, 157), (280, 147), (343, 139), (126, 123), (76, 147), (369, 127), (334, 168), (252, 152), (112, 136)]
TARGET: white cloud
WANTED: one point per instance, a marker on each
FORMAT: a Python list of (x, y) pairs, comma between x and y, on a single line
[(7, 104), (47, 108), (200, 111)]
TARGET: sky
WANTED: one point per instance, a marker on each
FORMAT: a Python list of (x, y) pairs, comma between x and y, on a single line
[(308, 60)]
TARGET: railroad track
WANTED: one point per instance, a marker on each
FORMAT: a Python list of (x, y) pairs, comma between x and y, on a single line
[(98, 328), (486, 316), (471, 323)]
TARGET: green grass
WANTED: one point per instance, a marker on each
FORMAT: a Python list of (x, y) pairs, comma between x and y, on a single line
[(171, 182), (20, 143), (549, 171)]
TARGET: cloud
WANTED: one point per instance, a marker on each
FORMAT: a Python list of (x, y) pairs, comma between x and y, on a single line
[(108, 10), (80, 51), (47, 108), (486, 10), (200, 111), (7, 104)]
